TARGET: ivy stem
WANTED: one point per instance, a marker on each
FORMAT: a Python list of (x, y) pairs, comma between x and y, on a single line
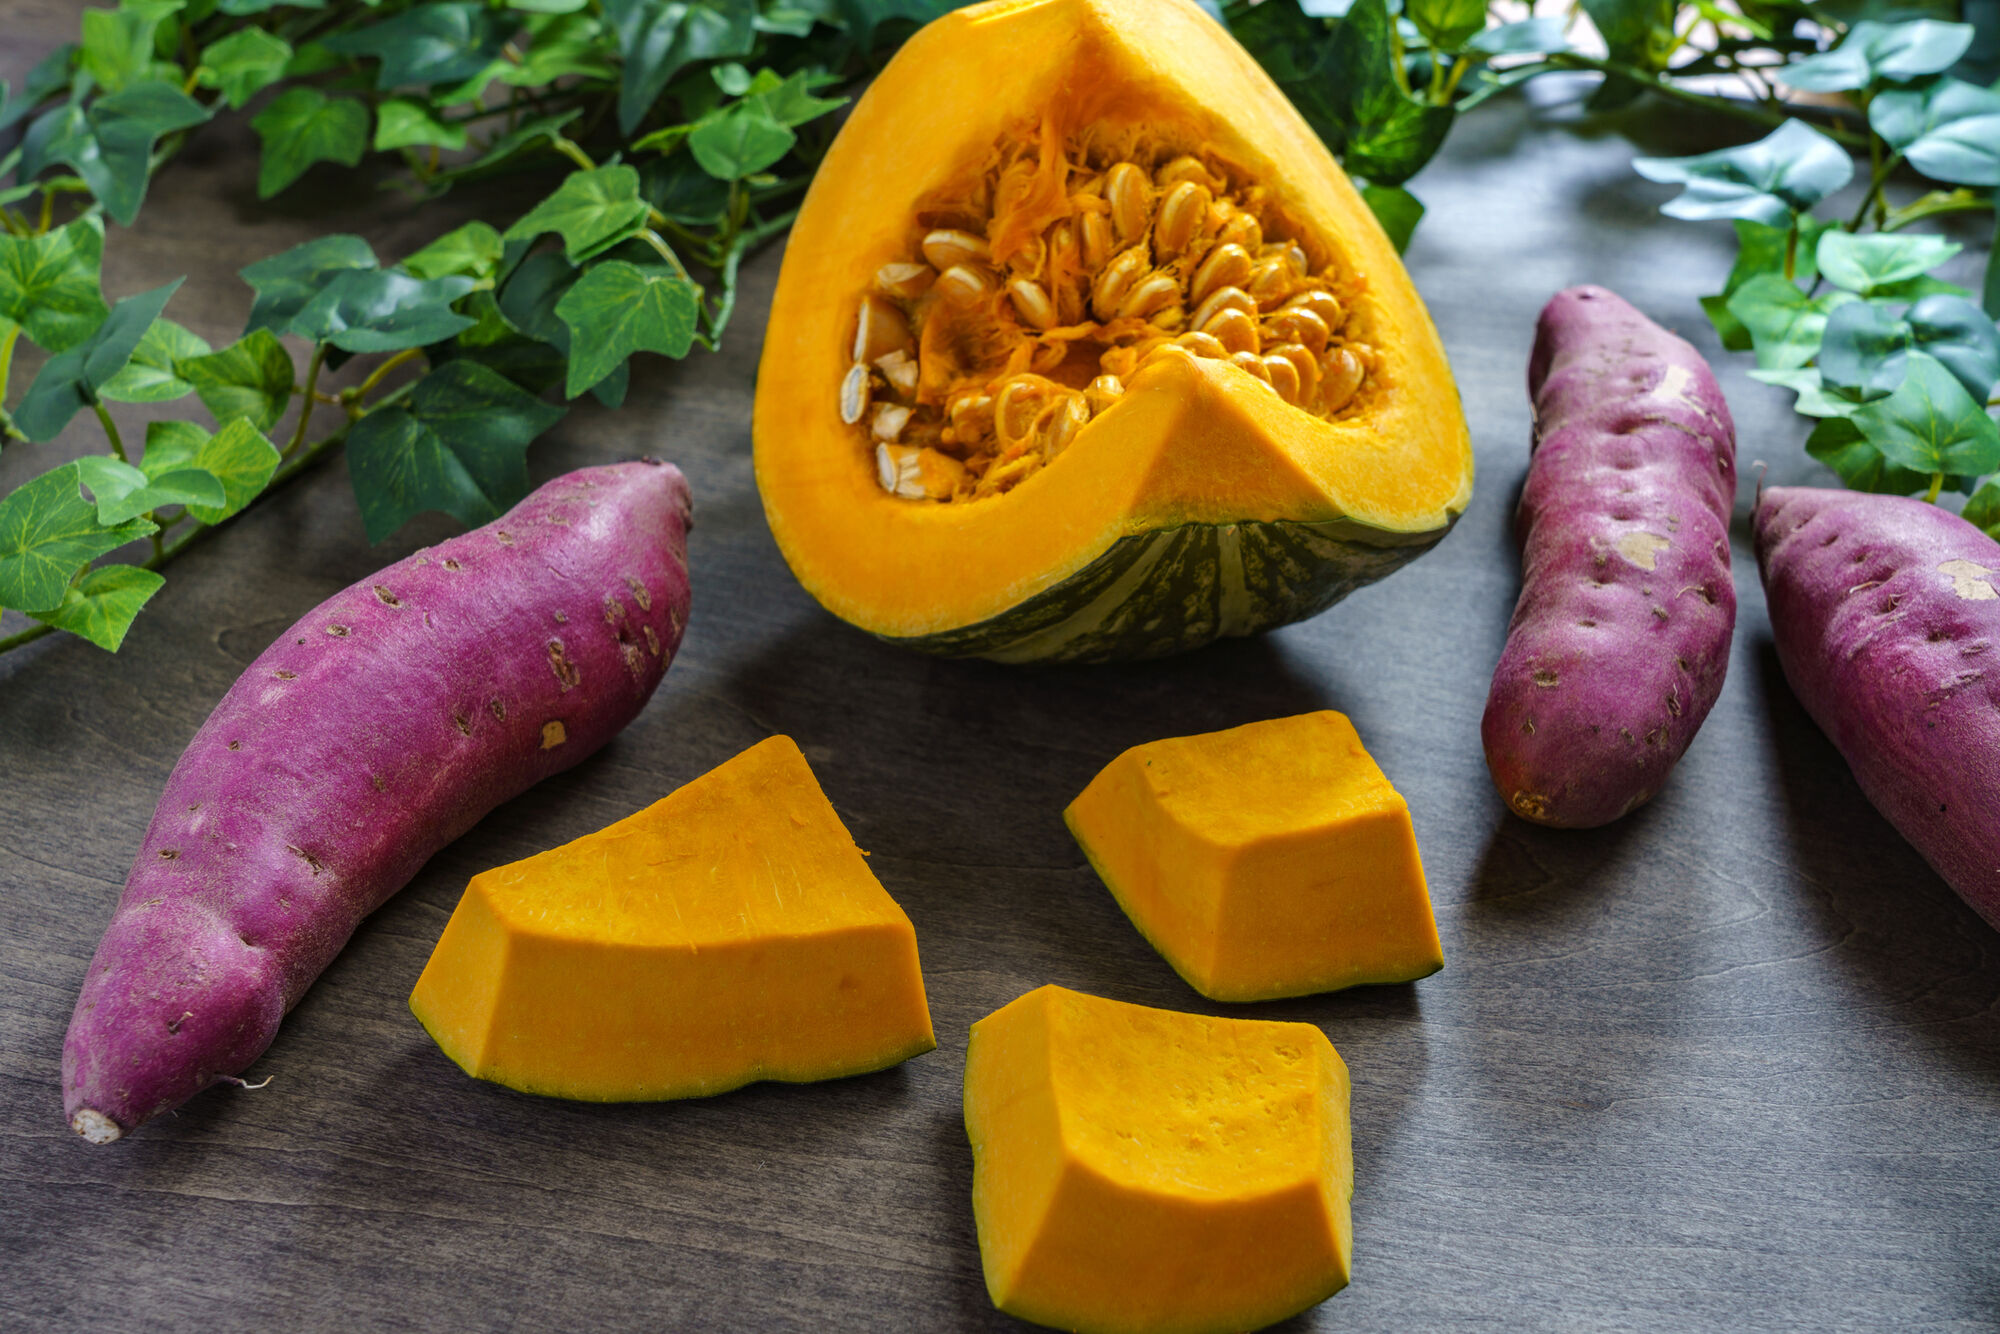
[(1877, 178), (353, 399), (575, 154), (48, 212), (658, 242), (1937, 485), (7, 359), (1727, 106), (310, 395), (111, 430)]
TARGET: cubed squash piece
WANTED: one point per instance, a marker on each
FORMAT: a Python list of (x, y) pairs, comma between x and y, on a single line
[(1140, 1169), (1269, 860), (729, 932)]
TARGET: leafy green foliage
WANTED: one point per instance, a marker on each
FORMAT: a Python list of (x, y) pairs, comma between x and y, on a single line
[(1784, 323), (1877, 263), (403, 122), (1872, 52), (244, 63), (1864, 353), (101, 605), (122, 492), (435, 42), (72, 379), (1931, 425), (110, 145), (591, 210), (1763, 249), (49, 283), (285, 282), (382, 310), (1982, 510), (1397, 210), (1963, 339), (302, 127), (659, 38), (459, 447), (1949, 131), (48, 532), (50, 75), (238, 457), (250, 379), (1839, 444), (151, 375), (1787, 171), (1447, 24), (473, 250), (118, 44), (740, 141), (617, 309)]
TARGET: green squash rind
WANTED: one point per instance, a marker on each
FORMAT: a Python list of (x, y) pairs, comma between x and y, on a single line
[(1174, 589)]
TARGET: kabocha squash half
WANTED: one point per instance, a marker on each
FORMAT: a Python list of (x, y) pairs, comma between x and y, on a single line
[(1084, 348)]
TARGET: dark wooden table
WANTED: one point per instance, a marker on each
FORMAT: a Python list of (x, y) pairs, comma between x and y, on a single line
[(1733, 1063)]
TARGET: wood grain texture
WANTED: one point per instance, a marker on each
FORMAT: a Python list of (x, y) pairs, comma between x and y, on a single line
[(1732, 1063)]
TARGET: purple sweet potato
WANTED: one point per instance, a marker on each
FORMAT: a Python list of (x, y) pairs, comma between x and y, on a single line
[(1620, 640), (372, 733), (1886, 612)]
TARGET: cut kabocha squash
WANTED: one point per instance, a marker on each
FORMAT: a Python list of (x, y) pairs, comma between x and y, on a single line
[(729, 932), (1140, 1170), (1273, 859), (1084, 348)]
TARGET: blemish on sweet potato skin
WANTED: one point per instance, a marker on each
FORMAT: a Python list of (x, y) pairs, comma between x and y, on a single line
[(275, 835), (1619, 642)]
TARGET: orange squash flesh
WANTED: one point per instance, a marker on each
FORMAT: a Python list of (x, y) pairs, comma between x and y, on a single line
[(1138, 1169), (729, 932), (1192, 442), (1273, 859)]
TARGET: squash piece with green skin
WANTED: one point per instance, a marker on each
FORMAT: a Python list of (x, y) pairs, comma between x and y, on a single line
[(1136, 1169), (1196, 501)]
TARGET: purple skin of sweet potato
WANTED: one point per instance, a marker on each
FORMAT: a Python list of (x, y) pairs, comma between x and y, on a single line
[(1620, 640), (1886, 613), (375, 731)]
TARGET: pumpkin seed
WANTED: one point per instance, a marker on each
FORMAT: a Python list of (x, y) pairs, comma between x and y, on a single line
[(854, 393), (879, 328), (1251, 362), (1130, 195), (1226, 265), (1094, 231), (1060, 422), (1321, 303), (1031, 303), (963, 284), (1202, 344), (1223, 298), (1185, 168), (901, 370), (1150, 295), (1296, 324), (1304, 363), (948, 246), (1340, 380), (1107, 294), (1235, 330), (1284, 377), (1103, 392), (889, 421), (1181, 214), (1272, 280), (905, 282)]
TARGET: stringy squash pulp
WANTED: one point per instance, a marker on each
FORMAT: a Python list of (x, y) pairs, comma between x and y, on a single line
[(1085, 348)]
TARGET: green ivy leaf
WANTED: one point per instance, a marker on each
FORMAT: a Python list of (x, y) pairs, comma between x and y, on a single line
[(383, 310), (1839, 444), (246, 8), (659, 38), (617, 309), (437, 42), (1761, 249), (150, 376), (740, 141), (1636, 32), (861, 18), (795, 101), (302, 127), (100, 606), (73, 379), (110, 146), (48, 532), (460, 447), (1963, 339), (1931, 425), (1397, 210), (591, 210), (238, 456), (1873, 51), (286, 281), (123, 492), (50, 75), (1864, 352), (244, 63), (1871, 263), (473, 250), (1785, 172), (118, 44), (683, 192), (252, 379), (402, 122), (49, 283), (575, 46), (1949, 131), (1813, 398), (539, 130), (1982, 511), (1447, 24), (1785, 324), (1528, 37)]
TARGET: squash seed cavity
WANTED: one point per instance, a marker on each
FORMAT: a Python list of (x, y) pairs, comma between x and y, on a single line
[(1029, 298)]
